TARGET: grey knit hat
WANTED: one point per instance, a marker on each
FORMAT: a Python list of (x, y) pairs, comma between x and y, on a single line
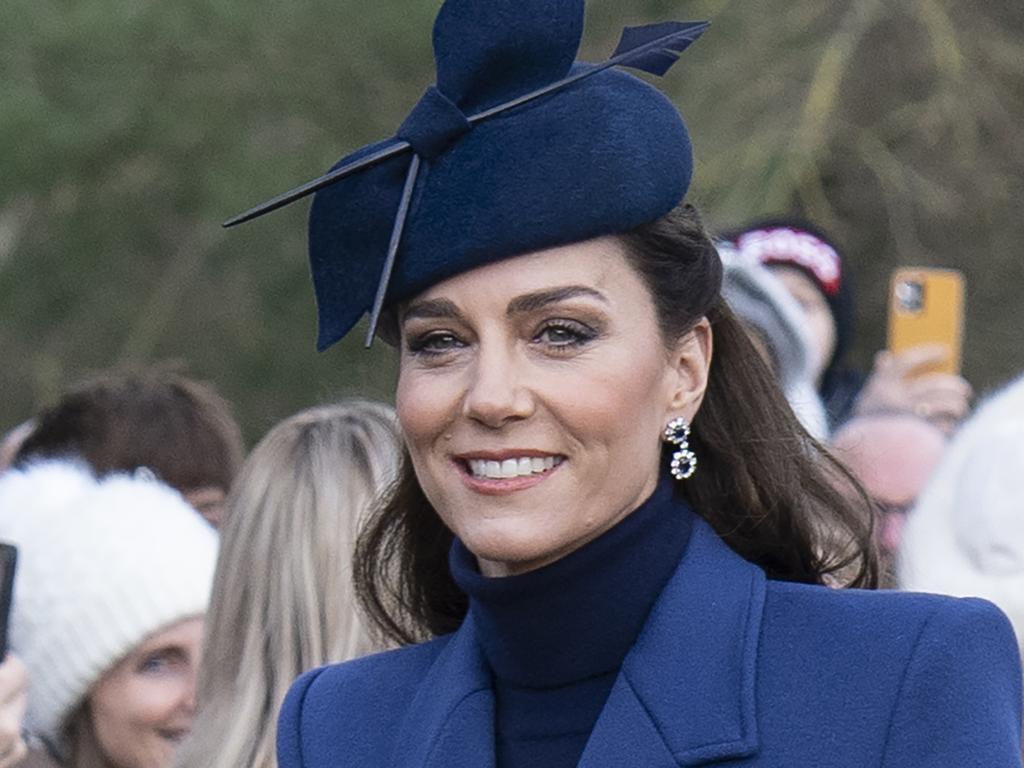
[(765, 306), (758, 298), (102, 564)]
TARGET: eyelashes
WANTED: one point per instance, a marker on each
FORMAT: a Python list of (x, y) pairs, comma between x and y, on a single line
[(565, 334), (161, 661), (557, 337), (434, 343)]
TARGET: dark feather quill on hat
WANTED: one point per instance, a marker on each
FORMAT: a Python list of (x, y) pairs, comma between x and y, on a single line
[(507, 87)]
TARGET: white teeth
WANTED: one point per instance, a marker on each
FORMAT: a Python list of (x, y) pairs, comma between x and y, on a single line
[(523, 467)]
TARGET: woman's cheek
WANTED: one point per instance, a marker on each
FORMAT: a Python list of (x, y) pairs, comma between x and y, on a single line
[(422, 405)]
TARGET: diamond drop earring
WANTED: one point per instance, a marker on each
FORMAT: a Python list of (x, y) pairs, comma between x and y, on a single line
[(684, 461)]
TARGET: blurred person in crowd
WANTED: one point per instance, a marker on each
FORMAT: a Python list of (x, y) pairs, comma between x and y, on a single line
[(180, 429), (893, 455), (13, 700), (11, 442), (113, 579), (283, 601), (965, 536), (775, 322), (809, 264), (610, 531)]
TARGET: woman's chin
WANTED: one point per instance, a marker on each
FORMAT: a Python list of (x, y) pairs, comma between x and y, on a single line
[(509, 550)]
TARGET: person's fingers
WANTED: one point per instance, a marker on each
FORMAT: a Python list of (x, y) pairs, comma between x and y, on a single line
[(942, 410), (13, 679), (13, 702), (939, 384), (883, 360), (946, 424), (12, 745), (942, 404), (914, 359)]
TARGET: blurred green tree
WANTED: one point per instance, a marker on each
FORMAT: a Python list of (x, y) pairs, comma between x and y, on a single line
[(131, 128)]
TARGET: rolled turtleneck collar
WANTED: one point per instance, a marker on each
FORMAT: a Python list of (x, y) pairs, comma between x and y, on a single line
[(578, 617)]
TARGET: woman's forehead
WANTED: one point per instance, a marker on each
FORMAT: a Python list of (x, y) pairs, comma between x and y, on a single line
[(599, 265), (796, 280)]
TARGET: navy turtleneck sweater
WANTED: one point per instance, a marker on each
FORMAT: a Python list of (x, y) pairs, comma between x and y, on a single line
[(556, 637)]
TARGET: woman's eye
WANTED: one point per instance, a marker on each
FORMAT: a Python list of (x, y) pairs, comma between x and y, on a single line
[(565, 334), (155, 663), (435, 343)]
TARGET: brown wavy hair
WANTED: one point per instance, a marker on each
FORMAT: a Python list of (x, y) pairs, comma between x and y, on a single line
[(179, 428), (770, 490)]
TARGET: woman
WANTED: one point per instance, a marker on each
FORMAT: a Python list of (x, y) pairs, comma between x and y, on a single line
[(282, 599), (610, 601), (113, 580)]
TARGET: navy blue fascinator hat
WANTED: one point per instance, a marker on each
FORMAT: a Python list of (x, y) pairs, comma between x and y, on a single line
[(517, 148)]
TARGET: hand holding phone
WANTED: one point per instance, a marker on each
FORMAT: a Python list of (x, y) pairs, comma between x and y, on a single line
[(920, 370)]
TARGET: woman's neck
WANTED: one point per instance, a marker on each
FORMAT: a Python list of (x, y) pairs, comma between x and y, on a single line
[(578, 616)]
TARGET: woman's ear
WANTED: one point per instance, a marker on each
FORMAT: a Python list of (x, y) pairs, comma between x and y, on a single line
[(691, 362)]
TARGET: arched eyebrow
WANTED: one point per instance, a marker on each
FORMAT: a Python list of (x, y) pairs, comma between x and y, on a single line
[(432, 309), (531, 302), (445, 309)]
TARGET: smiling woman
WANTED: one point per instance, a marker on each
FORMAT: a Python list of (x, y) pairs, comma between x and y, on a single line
[(113, 580), (492, 384), (610, 529), (588, 351), (144, 705)]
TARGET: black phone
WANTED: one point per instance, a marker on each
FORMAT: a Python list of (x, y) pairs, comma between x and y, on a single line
[(8, 563)]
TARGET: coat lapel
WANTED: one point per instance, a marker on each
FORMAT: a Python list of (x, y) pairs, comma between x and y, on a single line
[(685, 695), (450, 722), (686, 692)]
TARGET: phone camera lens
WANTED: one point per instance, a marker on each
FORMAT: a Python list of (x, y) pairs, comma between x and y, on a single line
[(910, 296)]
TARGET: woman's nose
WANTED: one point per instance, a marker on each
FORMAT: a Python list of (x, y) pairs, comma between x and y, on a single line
[(188, 693), (497, 393)]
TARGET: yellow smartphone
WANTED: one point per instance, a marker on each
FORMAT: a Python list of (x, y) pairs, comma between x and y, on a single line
[(926, 306)]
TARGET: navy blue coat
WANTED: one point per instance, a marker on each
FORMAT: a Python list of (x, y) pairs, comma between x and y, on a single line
[(731, 668)]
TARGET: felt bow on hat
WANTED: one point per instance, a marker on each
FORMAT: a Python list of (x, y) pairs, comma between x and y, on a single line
[(516, 148)]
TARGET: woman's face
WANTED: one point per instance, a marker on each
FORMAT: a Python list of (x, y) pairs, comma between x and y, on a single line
[(821, 325), (143, 707), (533, 393)]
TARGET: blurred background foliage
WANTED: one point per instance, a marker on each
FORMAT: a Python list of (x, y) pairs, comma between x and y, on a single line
[(132, 128)]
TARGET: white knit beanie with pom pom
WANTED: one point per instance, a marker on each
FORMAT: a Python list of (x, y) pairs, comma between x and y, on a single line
[(102, 564)]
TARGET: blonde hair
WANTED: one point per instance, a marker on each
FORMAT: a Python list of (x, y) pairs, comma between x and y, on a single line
[(283, 601)]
